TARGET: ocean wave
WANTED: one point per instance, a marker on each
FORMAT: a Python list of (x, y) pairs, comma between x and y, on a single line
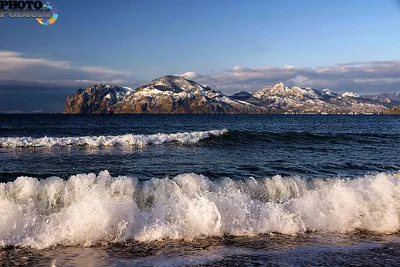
[(221, 137), (109, 141), (88, 209), (234, 136)]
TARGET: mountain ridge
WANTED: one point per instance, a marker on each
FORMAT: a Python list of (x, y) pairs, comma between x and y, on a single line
[(177, 95)]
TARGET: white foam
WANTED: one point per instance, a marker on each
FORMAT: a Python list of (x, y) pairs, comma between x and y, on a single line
[(108, 141), (88, 209)]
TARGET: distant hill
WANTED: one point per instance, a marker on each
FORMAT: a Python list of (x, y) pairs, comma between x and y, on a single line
[(386, 96), (177, 95)]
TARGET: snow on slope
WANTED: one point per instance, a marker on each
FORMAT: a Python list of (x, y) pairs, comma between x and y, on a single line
[(175, 94)]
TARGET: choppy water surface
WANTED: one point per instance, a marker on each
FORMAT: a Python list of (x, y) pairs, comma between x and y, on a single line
[(199, 190)]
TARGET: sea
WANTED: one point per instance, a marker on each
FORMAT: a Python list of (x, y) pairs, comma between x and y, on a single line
[(199, 190)]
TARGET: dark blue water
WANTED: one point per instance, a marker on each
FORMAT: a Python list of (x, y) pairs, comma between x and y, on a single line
[(278, 190), (258, 146)]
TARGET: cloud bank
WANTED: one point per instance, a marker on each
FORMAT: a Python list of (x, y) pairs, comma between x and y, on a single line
[(29, 83), (360, 77), (16, 68)]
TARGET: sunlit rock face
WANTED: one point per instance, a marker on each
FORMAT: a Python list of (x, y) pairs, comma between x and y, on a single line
[(177, 95), (168, 94)]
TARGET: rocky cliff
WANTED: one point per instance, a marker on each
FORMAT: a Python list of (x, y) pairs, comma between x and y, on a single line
[(96, 99), (177, 95), (169, 94)]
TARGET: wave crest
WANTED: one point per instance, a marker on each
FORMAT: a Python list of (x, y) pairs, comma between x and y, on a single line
[(88, 208), (109, 141)]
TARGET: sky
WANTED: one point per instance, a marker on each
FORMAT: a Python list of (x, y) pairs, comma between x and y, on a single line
[(228, 45)]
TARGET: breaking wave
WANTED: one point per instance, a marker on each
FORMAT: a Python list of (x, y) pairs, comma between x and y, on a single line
[(109, 141), (88, 209)]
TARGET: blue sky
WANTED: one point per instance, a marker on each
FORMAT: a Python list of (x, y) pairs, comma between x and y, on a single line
[(133, 42)]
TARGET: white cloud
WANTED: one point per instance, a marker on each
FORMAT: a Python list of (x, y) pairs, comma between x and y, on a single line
[(18, 68), (379, 81), (361, 77), (191, 75)]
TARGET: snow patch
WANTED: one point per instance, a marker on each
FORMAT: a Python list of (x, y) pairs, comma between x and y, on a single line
[(350, 94)]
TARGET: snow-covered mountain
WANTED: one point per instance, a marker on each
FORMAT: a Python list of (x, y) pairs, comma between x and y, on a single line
[(176, 95), (386, 96), (285, 99), (168, 94)]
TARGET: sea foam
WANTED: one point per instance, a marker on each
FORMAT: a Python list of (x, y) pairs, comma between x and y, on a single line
[(108, 141), (88, 209)]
